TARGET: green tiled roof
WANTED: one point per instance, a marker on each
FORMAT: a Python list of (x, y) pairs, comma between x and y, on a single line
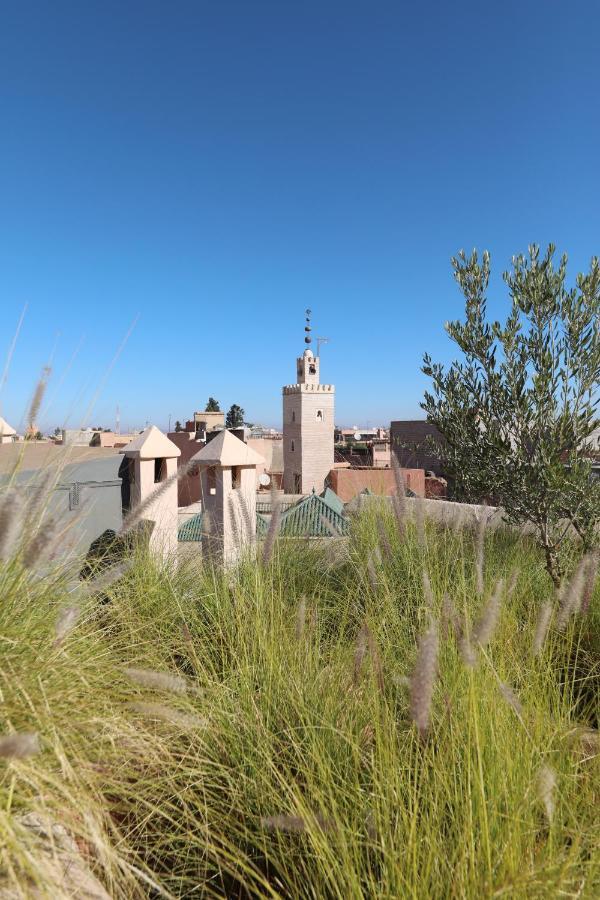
[(309, 517), (262, 525), (331, 498), (191, 530)]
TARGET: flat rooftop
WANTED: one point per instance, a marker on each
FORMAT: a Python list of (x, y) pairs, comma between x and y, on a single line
[(31, 456)]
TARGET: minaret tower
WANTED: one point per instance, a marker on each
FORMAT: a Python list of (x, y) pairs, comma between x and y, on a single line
[(308, 425)]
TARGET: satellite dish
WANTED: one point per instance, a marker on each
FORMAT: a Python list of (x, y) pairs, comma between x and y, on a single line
[(358, 436), (264, 479)]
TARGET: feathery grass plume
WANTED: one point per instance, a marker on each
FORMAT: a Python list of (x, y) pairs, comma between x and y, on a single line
[(591, 574), (186, 635), (399, 498), (65, 621), (19, 745), (301, 618), (482, 521), (511, 698), (35, 549), (448, 617), (294, 824), (107, 577), (423, 679), (401, 681), (512, 582), (465, 646), (38, 396), (328, 526), (372, 571), (273, 529), (384, 540), (546, 786), (570, 599), (360, 651), (484, 630), (11, 507), (236, 531), (185, 721), (375, 660), (245, 512), (157, 681), (427, 590), (541, 627)]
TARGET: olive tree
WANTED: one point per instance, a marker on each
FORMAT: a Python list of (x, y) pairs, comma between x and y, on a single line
[(517, 411)]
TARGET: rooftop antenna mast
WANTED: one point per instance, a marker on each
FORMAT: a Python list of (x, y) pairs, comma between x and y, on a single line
[(118, 421), (321, 340)]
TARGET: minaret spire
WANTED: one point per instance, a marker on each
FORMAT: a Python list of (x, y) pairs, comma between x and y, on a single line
[(307, 328)]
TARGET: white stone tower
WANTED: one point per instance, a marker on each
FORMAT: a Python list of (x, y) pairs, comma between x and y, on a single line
[(228, 491), (152, 459), (308, 425)]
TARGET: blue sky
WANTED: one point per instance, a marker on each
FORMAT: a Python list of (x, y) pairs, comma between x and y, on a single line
[(209, 169)]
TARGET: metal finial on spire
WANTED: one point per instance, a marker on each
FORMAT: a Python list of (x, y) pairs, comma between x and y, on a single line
[(307, 328)]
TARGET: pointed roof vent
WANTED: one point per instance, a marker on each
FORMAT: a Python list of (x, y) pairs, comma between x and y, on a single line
[(152, 444), (227, 450)]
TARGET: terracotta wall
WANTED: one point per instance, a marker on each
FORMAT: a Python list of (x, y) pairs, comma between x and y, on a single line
[(188, 486), (347, 483)]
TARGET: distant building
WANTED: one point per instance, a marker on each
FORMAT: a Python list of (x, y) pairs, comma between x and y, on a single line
[(206, 422), (8, 435), (410, 439), (308, 427)]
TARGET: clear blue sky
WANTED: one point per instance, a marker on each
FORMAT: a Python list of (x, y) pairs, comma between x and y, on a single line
[(214, 167)]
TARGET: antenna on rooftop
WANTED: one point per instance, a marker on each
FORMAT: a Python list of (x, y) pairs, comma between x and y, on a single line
[(118, 421), (321, 340)]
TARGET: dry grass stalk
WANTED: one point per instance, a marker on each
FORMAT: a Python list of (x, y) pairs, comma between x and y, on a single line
[(19, 745), (423, 679), (273, 529), (420, 522), (11, 508), (384, 539), (591, 575), (511, 698), (482, 522), (295, 824), (65, 622), (427, 591), (484, 630), (541, 627), (399, 498), (571, 595), (157, 681), (301, 618), (360, 651), (185, 721), (546, 786)]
